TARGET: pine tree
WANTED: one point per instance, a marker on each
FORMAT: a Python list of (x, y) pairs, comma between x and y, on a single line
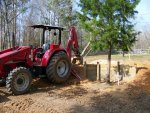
[(109, 21)]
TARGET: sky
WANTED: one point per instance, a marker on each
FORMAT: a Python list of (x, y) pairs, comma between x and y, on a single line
[(142, 19)]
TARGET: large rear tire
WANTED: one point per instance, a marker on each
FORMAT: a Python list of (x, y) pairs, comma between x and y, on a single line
[(58, 69), (18, 81)]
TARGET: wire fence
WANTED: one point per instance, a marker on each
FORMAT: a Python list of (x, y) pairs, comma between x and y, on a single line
[(137, 52)]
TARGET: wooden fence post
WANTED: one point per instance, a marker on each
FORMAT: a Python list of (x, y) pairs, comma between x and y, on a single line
[(98, 72), (118, 67), (85, 69)]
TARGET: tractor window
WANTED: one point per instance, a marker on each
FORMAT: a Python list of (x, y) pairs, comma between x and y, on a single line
[(51, 37), (35, 37), (47, 36)]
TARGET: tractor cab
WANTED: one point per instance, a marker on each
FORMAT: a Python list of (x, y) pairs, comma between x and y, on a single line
[(50, 39)]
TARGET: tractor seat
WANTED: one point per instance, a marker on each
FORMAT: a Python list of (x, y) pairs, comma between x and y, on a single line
[(45, 47)]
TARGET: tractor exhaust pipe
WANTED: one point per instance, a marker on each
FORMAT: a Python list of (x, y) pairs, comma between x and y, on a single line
[(13, 40)]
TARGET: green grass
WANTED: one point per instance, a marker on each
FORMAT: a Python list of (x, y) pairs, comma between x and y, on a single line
[(119, 57)]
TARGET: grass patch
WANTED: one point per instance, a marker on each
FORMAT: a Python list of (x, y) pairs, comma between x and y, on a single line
[(119, 57)]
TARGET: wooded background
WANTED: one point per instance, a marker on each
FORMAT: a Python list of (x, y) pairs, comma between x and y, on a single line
[(17, 15)]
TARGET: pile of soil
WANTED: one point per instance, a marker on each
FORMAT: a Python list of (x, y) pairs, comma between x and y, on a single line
[(142, 81)]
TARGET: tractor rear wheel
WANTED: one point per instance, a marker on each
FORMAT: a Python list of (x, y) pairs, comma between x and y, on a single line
[(59, 68), (18, 81)]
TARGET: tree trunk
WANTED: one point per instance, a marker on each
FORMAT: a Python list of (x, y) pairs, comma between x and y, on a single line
[(1, 32), (4, 37), (13, 40), (7, 33), (14, 22), (109, 65)]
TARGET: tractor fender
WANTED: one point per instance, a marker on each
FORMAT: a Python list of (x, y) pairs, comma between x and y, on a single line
[(48, 54)]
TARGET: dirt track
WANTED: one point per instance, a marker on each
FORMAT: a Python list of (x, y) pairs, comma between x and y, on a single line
[(86, 97)]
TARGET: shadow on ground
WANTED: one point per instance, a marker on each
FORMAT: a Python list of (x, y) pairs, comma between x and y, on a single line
[(135, 98), (44, 85), (3, 96)]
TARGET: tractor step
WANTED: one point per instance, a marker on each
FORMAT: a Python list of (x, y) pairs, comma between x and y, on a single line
[(2, 81), (42, 76)]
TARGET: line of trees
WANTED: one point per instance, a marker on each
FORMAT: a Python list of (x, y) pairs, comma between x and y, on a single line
[(10, 10), (17, 15)]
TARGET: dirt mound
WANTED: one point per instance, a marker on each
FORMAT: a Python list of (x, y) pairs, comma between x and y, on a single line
[(141, 82)]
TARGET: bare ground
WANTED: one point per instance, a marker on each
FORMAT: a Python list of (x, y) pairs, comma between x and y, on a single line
[(132, 96)]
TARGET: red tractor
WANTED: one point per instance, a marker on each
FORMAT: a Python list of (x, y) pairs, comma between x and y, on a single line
[(18, 65)]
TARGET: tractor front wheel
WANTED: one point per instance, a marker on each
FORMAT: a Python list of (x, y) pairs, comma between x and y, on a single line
[(18, 81), (59, 68)]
